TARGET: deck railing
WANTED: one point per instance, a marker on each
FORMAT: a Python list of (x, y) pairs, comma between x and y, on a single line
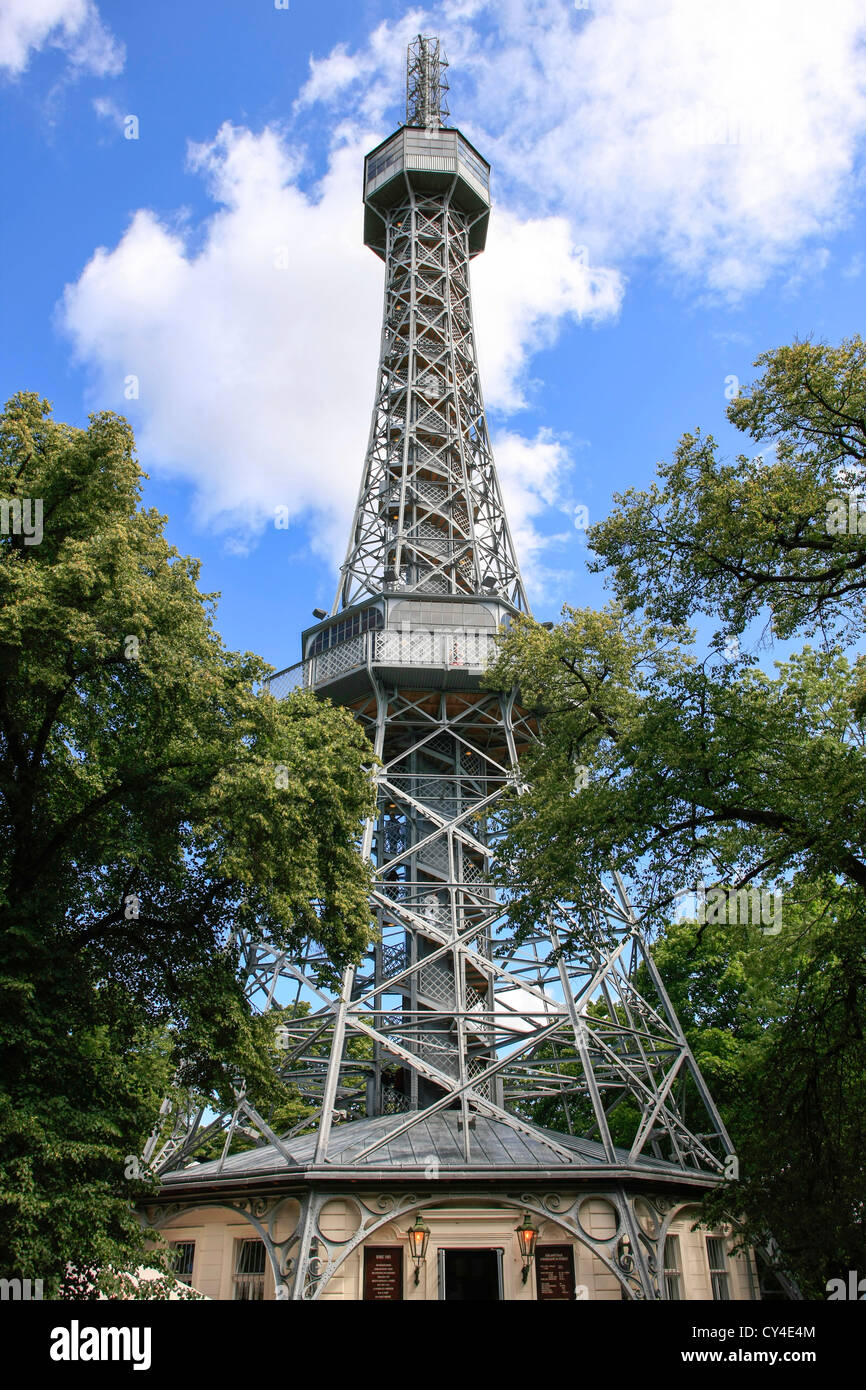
[(450, 648)]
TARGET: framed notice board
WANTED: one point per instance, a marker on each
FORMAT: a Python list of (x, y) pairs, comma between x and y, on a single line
[(554, 1272), (383, 1272)]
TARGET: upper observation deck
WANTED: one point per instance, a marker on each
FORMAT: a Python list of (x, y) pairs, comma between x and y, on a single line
[(434, 160)]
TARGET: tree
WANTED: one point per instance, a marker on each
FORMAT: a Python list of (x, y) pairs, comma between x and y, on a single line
[(672, 772), (782, 530), (681, 769), (777, 1028), (689, 766), (150, 799)]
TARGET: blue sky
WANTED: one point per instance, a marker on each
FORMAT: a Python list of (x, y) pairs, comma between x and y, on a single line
[(677, 187)]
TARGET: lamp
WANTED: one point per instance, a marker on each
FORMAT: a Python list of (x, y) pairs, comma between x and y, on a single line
[(419, 1235), (527, 1235)]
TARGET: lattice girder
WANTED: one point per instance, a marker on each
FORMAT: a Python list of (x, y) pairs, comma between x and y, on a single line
[(429, 517), (453, 1010)]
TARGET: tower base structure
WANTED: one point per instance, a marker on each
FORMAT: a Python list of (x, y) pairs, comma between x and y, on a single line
[(275, 1225), (428, 1076)]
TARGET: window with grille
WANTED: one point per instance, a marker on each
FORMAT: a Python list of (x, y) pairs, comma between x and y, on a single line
[(673, 1269), (469, 157), (718, 1262), (250, 1271), (369, 619), (183, 1254), (392, 154)]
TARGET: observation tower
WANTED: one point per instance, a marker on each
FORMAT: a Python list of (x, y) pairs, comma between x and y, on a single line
[(461, 1081)]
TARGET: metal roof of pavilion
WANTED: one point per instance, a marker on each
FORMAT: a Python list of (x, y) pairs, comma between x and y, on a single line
[(496, 1150)]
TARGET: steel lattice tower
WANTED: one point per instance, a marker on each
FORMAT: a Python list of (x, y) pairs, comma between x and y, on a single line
[(449, 1015)]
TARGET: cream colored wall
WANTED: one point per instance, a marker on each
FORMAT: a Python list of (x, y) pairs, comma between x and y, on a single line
[(339, 1221), (465, 1227), (215, 1231), (742, 1273)]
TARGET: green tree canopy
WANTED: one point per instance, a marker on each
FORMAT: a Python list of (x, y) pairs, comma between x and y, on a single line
[(676, 767), (150, 799), (777, 1028), (766, 531), (671, 771)]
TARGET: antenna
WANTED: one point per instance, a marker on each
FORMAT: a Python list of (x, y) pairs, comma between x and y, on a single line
[(426, 84)]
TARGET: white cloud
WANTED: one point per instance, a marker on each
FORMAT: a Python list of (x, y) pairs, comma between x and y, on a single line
[(364, 82), (533, 473), (254, 340), (240, 345), (530, 279), (719, 136), (108, 110), (330, 76), (74, 26), (810, 267)]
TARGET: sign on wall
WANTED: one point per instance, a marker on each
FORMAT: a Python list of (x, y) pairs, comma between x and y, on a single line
[(554, 1272), (383, 1272)]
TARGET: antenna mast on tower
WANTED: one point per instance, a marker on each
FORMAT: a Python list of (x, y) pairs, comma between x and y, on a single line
[(426, 84)]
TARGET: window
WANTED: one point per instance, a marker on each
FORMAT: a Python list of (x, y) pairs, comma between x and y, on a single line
[(673, 1269), (471, 159), (392, 154), (718, 1262), (250, 1271), (182, 1259), (367, 619)]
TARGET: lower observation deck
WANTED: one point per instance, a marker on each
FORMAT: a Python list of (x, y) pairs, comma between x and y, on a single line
[(437, 659)]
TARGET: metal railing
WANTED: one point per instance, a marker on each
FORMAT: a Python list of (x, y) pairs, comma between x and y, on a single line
[(451, 648)]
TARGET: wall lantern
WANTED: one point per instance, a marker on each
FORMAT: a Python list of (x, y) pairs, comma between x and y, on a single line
[(527, 1235), (419, 1235)]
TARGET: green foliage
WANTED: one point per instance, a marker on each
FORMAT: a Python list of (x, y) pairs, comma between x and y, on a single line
[(673, 769), (777, 1028), (150, 799), (732, 539), (691, 772)]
